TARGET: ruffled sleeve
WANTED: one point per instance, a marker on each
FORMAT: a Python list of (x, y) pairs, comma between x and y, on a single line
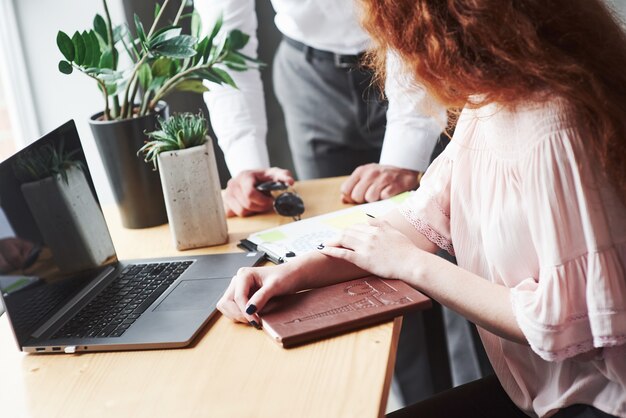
[(577, 301), (428, 209)]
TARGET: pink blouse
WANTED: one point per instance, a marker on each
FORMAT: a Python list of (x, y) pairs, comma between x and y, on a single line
[(517, 199)]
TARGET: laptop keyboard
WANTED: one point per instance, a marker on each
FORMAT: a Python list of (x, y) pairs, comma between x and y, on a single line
[(119, 305)]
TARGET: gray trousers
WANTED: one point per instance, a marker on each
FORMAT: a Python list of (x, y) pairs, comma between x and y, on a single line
[(335, 118), (336, 122)]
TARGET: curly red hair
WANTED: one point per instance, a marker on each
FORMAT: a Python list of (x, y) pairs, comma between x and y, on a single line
[(513, 52)]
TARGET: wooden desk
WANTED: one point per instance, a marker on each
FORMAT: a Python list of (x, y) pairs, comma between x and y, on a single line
[(230, 371)]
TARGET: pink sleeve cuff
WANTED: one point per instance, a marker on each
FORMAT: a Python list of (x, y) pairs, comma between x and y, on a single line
[(574, 307)]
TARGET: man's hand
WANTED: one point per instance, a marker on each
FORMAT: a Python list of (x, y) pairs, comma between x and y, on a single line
[(13, 253), (241, 198), (373, 182)]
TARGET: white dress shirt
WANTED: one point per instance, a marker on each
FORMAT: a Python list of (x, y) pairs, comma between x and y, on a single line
[(238, 115)]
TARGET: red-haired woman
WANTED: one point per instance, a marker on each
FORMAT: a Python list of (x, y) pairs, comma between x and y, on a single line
[(529, 195)]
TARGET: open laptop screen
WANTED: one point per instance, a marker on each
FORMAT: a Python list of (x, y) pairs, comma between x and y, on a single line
[(53, 237)]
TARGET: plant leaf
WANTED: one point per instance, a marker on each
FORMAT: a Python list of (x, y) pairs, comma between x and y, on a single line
[(161, 67), (238, 39), (157, 82), (194, 86), (100, 26), (224, 76), (118, 33), (235, 62), (145, 76), (217, 50), (79, 49), (140, 31), (181, 46), (97, 52), (207, 74), (216, 28), (65, 67), (201, 50), (196, 24), (111, 88), (89, 50), (65, 46), (157, 9), (106, 60), (163, 35)]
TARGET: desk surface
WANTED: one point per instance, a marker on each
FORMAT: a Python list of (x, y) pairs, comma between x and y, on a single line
[(229, 371)]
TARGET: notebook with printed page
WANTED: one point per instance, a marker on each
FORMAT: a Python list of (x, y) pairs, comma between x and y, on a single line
[(284, 242)]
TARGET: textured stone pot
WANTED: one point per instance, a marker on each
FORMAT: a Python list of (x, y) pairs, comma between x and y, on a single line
[(193, 197), (136, 186), (70, 221)]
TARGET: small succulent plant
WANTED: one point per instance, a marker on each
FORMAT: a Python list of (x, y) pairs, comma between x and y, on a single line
[(180, 131), (46, 161)]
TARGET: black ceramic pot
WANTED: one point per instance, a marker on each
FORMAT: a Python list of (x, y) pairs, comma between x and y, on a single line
[(136, 185)]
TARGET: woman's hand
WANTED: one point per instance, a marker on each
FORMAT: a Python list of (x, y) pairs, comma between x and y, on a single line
[(378, 248), (251, 288)]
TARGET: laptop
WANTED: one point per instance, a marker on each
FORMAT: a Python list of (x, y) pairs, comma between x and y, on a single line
[(62, 286)]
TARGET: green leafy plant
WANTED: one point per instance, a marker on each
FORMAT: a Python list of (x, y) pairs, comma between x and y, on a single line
[(180, 131), (162, 60), (46, 161)]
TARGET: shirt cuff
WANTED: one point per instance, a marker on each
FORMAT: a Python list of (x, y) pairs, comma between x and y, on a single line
[(246, 154), (409, 147)]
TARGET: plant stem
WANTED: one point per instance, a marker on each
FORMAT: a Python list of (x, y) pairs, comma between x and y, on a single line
[(125, 104), (144, 104), (183, 3), (111, 42), (132, 96), (107, 111), (109, 27), (170, 84), (157, 19)]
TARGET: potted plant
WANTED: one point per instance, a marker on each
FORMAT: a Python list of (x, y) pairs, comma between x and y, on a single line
[(183, 153), (64, 207), (162, 60)]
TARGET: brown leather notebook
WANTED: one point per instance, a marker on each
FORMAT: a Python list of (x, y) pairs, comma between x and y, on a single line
[(318, 313)]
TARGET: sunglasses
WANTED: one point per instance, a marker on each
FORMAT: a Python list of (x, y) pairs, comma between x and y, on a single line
[(286, 200)]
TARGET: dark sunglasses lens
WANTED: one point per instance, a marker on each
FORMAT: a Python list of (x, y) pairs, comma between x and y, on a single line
[(289, 204), (270, 186)]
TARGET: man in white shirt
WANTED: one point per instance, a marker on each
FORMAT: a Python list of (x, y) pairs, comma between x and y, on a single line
[(335, 120)]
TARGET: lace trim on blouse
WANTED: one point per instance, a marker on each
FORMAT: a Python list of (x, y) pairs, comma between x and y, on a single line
[(424, 228)]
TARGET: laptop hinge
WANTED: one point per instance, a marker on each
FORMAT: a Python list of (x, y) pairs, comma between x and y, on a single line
[(73, 302)]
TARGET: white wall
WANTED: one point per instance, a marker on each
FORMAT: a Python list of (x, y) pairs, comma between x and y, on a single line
[(59, 97)]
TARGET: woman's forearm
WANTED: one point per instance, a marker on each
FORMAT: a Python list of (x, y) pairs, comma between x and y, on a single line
[(482, 302)]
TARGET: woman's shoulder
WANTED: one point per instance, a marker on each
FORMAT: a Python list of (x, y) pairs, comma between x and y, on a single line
[(511, 132)]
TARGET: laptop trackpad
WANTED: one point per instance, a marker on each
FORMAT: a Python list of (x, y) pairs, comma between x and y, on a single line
[(194, 295)]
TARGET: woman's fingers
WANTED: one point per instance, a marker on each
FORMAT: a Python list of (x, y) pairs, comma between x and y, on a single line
[(246, 284), (227, 306), (338, 252), (351, 237)]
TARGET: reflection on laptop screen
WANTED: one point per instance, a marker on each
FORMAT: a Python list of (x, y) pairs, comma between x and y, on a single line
[(53, 236)]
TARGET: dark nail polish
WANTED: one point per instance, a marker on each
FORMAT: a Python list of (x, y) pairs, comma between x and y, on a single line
[(290, 254), (251, 309), (320, 247), (255, 325)]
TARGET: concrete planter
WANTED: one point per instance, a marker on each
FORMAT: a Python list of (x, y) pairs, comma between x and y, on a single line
[(193, 197), (70, 221)]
